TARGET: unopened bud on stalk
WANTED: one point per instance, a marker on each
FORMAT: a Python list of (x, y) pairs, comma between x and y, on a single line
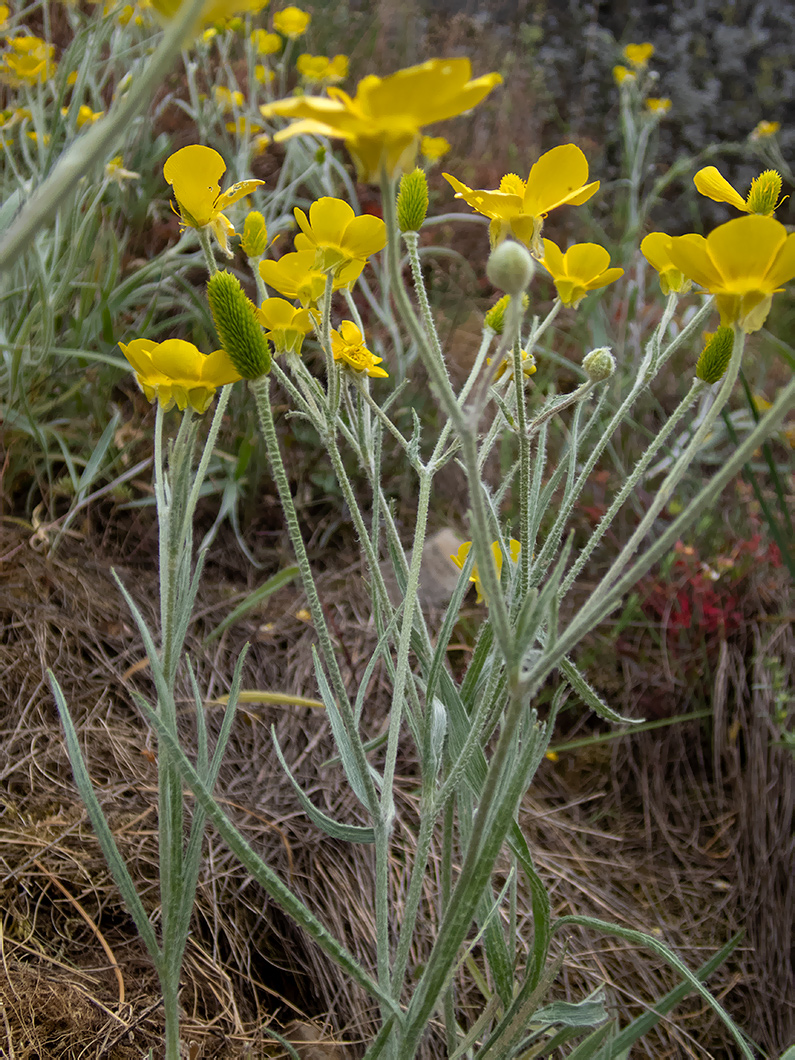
[(255, 235), (510, 267), (235, 321), (715, 356), (599, 364), (412, 201), (763, 198), (495, 317)]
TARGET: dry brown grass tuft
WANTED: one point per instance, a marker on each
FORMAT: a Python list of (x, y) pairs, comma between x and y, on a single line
[(657, 832)]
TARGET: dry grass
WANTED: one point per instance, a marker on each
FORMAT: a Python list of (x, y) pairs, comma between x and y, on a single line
[(657, 832)]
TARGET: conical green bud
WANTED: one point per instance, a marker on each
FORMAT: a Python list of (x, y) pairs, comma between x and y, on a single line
[(715, 356), (255, 235), (763, 198), (495, 317), (412, 201), (236, 322)]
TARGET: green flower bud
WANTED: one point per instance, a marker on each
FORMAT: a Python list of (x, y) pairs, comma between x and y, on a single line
[(764, 193), (412, 201), (510, 267), (599, 364), (495, 317), (255, 235), (236, 322), (715, 356)]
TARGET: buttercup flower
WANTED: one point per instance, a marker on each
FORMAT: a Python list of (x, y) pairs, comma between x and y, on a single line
[(176, 372), (432, 148), (28, 61), (519, 207), (583, 268), (638, 55), (459, 558), (226, 100), (763, 198), (659, 106), (297, 276), (743, 263), (194, 173), (292, 22), (266, 43), (382, 124), (284, 325), (348, 346), (622, 74), (337, 235), (213, 12), (317, 69), (765, 129), (87, 116), (654, 248), (243, 127), (528, 364), (115, 171)]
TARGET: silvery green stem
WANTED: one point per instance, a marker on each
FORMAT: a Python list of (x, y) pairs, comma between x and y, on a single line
[(676, 473), (480, 529), (260, 388), (524, 467), (99, 141), (411, 240), (206, 240), (629, 485)]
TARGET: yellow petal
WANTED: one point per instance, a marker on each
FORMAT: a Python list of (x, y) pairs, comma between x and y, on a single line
[(553, 259), (585, 261), (364, 236), (194, 173), (689, 255), (420, 93), (744, 250), (236, 193), (490, 203), (218, 370), (710, 183), (138, 353), (350, 334), (557, 174), (179, 361), (329, 218), (783, 268), (654, 248)]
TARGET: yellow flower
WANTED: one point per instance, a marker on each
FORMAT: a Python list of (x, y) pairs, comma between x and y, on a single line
[(227, 100), (4, 13), (87, 116), (284, 325), (259, 144), (654, 248), (658, 105), (291, 22), (763, 198), (460, 559), (34, 136), (243, 127), (28, 62), (213, 12), (348, 346), (381, 125), (194, 173), (263, 74), (765, 129), (266, 43), (583, 268), (116, 172), (638, 55), (528, 364), (296, 276), (175, 372), (519, 207), (622, 74), (337, 235), (432, 148), (317, 69), (743, 263)]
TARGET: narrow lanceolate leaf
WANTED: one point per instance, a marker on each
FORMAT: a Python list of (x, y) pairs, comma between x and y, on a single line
[(349, 833)]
